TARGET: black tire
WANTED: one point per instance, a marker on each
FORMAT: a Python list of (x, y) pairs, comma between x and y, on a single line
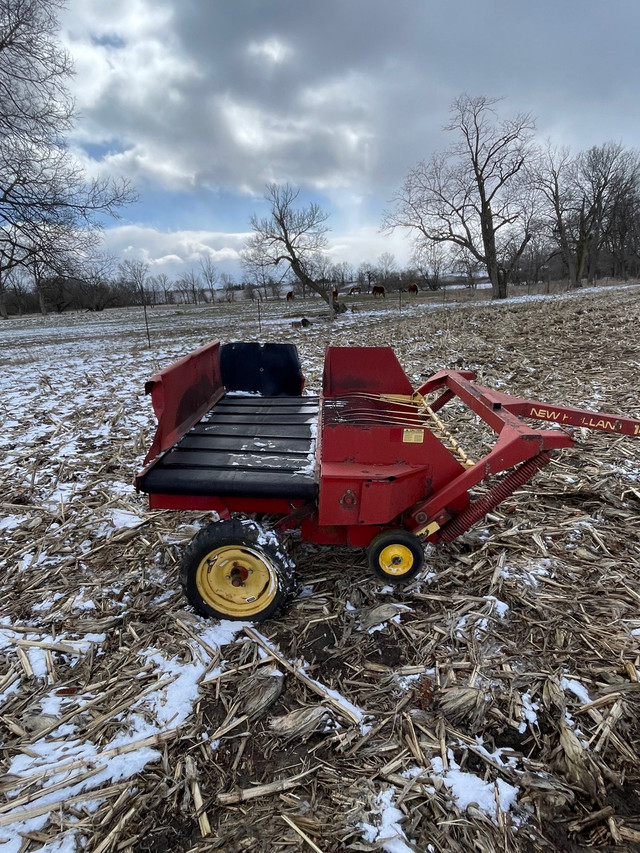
[(236, 570), (396, 556)]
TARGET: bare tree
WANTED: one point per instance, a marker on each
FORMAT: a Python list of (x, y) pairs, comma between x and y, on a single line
[(97, 273), (607, 175), (137, 273), (470, 196), (48, 207), (366, 274), (34, 69), (430, 261), (160, 286), (183, 288), (466, 264), (228, 286), (164, 283), (195, 285), (7, 264), (534, 262), (622, 234), (51, 265), (190, 286), (585, 196), (287, 281), (386, 266), (290, 237), (342, 273), (323, 272), (209, 275), (259, 272), (16, 282)]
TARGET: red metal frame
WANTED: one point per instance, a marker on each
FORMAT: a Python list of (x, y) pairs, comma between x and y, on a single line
[(379, 464), (518, 444), (182, 393), (224, 506)]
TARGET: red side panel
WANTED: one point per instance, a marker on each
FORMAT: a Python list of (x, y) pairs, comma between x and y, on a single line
[(182, 393), (378, 457), (370, 370)]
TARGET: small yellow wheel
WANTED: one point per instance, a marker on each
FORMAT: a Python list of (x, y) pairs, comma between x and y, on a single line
[(235, 570), (396, 556)]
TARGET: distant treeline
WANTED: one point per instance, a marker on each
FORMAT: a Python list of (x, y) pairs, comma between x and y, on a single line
[(24, 295)]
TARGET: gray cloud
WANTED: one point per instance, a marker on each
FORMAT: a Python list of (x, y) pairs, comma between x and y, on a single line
[(338, 97)]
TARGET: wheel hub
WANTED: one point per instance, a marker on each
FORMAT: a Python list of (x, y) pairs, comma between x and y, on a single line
[(237, 580), (239, 574), (396, 559)]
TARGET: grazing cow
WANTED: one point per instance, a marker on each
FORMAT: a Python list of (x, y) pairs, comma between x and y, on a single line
[(378, 290), (290, 296), (334, 293), (354, 290), (413, 288)]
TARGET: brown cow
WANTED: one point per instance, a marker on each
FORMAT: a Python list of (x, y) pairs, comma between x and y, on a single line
[(354, 290), (378, 290), (413, 288), (290, 296)]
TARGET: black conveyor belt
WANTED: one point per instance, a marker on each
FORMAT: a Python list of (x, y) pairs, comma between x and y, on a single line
[(245, 446)]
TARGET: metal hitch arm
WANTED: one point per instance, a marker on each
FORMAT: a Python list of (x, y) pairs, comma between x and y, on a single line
[(518, 444)]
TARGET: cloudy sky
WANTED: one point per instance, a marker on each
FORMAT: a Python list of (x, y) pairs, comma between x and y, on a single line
[(202, 102)]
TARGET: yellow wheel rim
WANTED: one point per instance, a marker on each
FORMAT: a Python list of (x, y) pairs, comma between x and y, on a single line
[(236, 580), (396, 560)]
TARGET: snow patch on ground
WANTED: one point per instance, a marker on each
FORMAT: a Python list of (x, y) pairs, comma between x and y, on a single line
[(64, 766), (467, 788)]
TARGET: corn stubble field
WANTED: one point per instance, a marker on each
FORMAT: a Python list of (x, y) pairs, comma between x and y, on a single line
[(492, 704)]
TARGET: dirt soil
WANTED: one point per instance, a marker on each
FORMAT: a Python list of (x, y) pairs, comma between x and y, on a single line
[(491, 704)]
